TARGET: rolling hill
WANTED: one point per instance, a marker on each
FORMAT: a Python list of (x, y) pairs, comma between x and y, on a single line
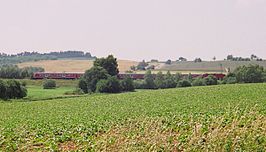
[(72, 65)]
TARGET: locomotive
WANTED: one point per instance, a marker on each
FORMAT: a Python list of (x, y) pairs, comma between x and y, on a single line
[(77, 75)]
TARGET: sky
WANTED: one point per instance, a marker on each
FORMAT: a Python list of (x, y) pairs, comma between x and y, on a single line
[(136, 29)]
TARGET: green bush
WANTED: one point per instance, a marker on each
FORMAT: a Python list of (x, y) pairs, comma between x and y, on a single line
[(83, 85), (127, 84), (12, 89), (49, 84), (211, 80), (184, 83), (250, 74), (198, 82), (139, 84), (149, 80), (109, 85)]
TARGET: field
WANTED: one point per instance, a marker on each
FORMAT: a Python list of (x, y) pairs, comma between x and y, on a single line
[(208, 66), (212, 118), (73, 65)]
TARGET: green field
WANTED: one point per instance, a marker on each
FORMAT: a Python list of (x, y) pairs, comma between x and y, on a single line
[(36, 93), (212, 118)]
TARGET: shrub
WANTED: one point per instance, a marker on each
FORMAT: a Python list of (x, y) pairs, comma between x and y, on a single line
[(77, 91), (127, 84), (139, 84), (49, 84), (159, 80), (184, 83), (211, 80), (198, 82), (12, 89), (109, 85)]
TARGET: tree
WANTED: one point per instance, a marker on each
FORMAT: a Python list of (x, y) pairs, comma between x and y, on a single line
[(182, 59), (3, 87), (169, 80), (211, 80), (92, 76), (168, 62), (159, 80), (184, 83), (127, 84), (214, 58), (178, 77), (83, 85), (13, 90), (109, 64), (109, 85), (198, 60), (142, 65), (249, 74), (198, 82), (149, 80)]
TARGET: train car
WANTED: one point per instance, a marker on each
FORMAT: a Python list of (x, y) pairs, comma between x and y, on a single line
[(63, 75), (56, 75)]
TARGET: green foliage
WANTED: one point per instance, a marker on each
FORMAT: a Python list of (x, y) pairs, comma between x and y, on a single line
[(12, 89), (219, 118), (92, 77), (250, 74), (13, 72), (230, 79), (199, 82), (109, 64), (49, 84), (109, 85), (127, 84), (170, 81), (184, 83), (211, 80), (159, 80), (149, 80), (139, 84), (83, 85)]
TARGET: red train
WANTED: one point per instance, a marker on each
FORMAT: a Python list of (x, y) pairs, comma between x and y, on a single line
[(57, 75)]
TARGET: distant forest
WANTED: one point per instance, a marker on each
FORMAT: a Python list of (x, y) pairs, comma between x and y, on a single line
[(8, 59)]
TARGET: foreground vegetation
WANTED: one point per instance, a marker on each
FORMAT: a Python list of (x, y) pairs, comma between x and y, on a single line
[(221, 118)]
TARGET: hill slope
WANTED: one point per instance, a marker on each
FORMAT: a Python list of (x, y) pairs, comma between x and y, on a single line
[(73, 65), (215, 118), (208, 66)]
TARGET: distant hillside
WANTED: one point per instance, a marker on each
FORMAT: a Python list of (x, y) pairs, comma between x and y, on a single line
[(208, 66), (72, 65)]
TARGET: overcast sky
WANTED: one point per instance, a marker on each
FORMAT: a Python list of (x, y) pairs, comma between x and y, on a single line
[(136, 29)]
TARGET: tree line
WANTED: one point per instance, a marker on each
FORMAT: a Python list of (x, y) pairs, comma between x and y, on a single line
[(14, 72), (36, 56)]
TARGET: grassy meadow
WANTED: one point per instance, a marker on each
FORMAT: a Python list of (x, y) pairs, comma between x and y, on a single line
[(212, 118)]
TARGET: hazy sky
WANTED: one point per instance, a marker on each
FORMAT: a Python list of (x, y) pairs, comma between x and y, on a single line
[(136, 29)]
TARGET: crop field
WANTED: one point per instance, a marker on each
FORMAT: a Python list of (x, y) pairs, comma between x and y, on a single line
[(211, 118), (72, 65)]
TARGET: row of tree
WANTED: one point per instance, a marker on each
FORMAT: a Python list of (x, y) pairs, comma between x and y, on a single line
[(161, 81), (12, 89), (14, 72), (36, 56)]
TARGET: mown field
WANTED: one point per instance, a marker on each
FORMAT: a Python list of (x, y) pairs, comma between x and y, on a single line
[(72, 65), (208, 66), (212, 118)]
